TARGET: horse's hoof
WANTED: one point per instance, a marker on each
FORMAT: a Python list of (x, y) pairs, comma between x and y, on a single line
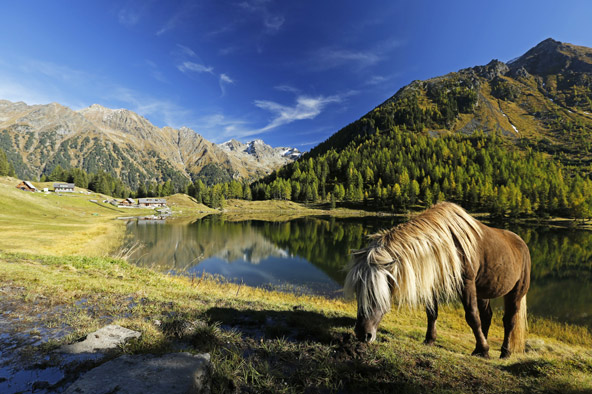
[(505, 353), (480, 353), (429, 342)]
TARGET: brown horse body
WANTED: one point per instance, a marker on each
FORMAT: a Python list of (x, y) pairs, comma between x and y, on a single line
[(440, 254)]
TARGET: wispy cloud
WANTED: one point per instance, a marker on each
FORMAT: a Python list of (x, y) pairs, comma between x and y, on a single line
[(327, 58), (195, 67), (184, 50), (375, 80), (182, 12), (305, 107), (271, 21), (221, 127), (128, 17), (155, 71), (287, 88), (173, 114), (131, 12), (223, 81), (53, 70), (332, 57)]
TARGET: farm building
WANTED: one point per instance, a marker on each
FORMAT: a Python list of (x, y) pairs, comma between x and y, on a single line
[(63, 187), (152, 202), (26, 186), (127, 203)]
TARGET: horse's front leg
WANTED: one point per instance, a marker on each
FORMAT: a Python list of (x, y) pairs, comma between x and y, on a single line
[(432, 317), (469, 300)]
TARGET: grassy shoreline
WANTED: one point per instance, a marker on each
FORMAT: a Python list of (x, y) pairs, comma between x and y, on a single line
[(263, 340)]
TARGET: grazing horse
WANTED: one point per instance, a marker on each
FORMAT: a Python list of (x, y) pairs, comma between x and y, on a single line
[(437, 255)]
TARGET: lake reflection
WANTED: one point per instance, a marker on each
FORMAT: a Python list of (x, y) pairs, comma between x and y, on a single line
[(308, 256)]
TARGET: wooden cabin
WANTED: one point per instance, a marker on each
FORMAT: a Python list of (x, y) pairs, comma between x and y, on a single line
[(26, 186), (127, 203)]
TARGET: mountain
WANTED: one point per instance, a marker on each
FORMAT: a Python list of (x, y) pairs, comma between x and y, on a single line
[(542, 99), (507, 138), (258, 150), (39, 137)]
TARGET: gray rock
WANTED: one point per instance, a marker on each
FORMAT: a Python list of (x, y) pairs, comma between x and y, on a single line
[(106, 338), (141, 374), (493, 69)]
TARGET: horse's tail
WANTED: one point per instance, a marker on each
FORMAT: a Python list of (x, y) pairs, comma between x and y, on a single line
[(518, 334)]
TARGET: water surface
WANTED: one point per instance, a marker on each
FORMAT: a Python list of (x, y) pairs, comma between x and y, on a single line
[(308, 255)]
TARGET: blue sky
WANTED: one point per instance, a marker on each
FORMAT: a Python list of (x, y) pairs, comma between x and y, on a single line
[(289, 72)]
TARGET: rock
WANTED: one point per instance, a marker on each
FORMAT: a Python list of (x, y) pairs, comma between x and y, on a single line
[(520, 73), (106, 338), (140, 374), (493, 69)]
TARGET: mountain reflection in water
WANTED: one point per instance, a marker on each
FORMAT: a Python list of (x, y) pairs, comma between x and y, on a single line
[(309, 255)]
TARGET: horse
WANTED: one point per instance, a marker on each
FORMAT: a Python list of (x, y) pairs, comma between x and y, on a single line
[(440, 254)]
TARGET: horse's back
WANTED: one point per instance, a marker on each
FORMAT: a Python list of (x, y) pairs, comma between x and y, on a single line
[(504, 265)]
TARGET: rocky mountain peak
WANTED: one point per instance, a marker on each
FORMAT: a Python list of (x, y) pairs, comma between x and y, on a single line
[(233, 145), (553, 57)]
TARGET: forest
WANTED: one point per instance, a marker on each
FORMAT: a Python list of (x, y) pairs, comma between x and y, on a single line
[(400, 170), (393, 171)]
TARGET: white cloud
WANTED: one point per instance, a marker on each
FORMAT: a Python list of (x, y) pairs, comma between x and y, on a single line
[(225, 78), (195, 67), (272, 22), (287, 88), (186, 50), (305, 108), (182, 12), (223, 81)]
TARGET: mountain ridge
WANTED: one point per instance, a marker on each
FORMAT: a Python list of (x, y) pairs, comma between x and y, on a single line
[(39, 137), (542, 98)]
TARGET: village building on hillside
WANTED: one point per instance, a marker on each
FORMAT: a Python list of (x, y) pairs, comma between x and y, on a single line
[(127, 203), (152, 202), (63, 187), (26, 186)]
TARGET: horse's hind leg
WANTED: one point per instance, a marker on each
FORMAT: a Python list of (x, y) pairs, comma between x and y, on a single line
[(511, 306), (469, 300), (485, 313), (432, 317)]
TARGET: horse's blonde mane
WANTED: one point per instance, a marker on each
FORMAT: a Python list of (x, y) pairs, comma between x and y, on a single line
[(414, 261)]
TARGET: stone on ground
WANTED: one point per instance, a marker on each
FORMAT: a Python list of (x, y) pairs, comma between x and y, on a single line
[(106, 338), (141, 374)]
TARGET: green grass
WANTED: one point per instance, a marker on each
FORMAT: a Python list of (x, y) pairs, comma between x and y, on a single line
[(263, 341), (58, 224), (260, 341)]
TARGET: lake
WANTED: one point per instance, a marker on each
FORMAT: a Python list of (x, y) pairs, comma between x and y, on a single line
[(308, 256)]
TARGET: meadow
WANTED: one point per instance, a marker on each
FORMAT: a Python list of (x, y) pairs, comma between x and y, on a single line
[(57, 275)]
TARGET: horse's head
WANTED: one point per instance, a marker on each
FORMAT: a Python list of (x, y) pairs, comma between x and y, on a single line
[(367, 324), (372, 285)]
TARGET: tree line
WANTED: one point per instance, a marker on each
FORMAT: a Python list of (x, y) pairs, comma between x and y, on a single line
[(395, 170), (398, 170)]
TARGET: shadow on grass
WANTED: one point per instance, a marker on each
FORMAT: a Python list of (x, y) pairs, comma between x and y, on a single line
[(301, 351)]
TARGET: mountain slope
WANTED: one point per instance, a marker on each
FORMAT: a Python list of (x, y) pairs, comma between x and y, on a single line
[(38, 138), (511, 139), (542, 99)]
